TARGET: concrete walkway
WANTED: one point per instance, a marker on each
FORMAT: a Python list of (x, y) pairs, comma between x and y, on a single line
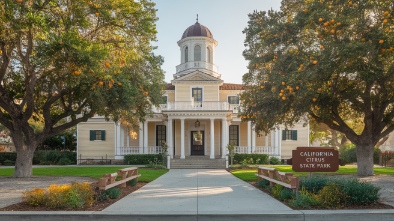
[(198, 191)]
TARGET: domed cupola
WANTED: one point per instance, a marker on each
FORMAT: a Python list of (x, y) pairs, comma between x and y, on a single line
[(197, 30), (197, 47)]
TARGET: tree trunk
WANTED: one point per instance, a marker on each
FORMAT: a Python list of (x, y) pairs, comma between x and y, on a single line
[(25, 147), (364, 160), (24, 162)]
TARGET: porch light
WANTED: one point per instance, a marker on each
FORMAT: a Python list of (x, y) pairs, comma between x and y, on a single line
[(197, 124)]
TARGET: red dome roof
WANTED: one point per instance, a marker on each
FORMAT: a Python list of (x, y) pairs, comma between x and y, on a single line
[(197, 30)]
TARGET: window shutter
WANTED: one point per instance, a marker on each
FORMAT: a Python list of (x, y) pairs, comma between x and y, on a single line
[(294, 135), (103, 135), (283, 134), (92, 135)]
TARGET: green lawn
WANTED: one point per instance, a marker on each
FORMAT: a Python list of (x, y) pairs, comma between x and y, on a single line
[(147, 174), (249, 174)]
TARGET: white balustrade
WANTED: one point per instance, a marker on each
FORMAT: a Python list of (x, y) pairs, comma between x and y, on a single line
[(269, 150), (121, 151)]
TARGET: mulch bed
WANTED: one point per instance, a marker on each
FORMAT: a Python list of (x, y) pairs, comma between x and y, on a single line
[(371, 206), (97, 205)]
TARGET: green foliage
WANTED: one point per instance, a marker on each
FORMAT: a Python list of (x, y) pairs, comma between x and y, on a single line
[(360, 193), (304, 200), (54, 157), (275, 161), (250, 159), (88, 57), (347, 154), (332, 196), (314, 184), (276, 190), (8, 163), (101, 195), (56, 142), (305, 58), (133, 182), (286, 194), (76, 195), (113, 193), (263, 183), (9, 156), (141, 159)]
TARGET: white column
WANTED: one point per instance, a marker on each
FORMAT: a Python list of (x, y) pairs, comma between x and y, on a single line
[(145, 137), (127, 137), (122, 137), (279, 142), (266, 144), (224, 122), (182, 138), (249, 136), (212, 128), (141, 138), (169, 137), (117, 138), (253, 139)]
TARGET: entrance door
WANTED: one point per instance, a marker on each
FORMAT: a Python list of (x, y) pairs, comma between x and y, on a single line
[(197, 143)]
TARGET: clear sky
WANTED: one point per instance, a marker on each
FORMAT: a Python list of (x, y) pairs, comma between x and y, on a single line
[(226, 19)]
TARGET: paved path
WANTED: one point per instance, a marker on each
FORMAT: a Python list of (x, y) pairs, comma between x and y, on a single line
[(198, 191)]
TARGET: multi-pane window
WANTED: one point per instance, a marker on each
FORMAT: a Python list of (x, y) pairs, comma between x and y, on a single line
[(197, 94), (233, 99), (289, 134), (160, 134), (97, 135), (186, 54), (163, 100), (197, 53), (234, 135)]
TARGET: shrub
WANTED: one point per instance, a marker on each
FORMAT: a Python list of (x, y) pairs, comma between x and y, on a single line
[(101, 195), (113, 193), (9, 163), (133, 182), (141, 159), (263, 183), (347, 154), (52, 157), (75, 195), (250, 158), (10, 156), (286, 194), (34, 197), (64, 161), (332, 196), (314, 184), (304, 200), (276, 190), (360, 193), (275, 161)]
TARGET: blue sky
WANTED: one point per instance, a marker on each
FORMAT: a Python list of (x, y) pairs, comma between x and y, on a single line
[(226, 19)]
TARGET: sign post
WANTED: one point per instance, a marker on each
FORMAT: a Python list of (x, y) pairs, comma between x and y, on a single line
[(315, 159)]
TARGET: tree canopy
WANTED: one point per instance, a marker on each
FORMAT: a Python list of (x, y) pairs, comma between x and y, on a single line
[(330, 61), (72, 59)]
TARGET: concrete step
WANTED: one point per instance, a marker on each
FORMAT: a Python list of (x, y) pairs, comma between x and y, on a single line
[(198, 163)]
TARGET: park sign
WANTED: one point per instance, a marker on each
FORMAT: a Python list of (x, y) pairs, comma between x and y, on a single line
[(315, 159)]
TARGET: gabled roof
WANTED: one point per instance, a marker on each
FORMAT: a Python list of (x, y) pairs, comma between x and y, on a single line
[(197, 76)]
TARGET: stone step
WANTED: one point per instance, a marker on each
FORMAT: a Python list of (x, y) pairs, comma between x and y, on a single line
[(198, 163)]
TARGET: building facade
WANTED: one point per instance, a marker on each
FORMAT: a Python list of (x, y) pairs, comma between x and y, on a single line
[(199, 117)]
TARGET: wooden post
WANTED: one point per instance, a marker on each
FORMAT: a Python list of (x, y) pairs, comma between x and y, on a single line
[(271, 175)]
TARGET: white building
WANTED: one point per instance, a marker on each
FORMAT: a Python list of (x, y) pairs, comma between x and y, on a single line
[(199, 118)]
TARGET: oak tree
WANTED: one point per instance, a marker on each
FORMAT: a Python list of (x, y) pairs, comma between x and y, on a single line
[(63, 61), (328, 60)]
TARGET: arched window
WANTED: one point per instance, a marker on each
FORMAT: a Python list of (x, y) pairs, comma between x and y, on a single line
[(197, 53), (186, 54), (209, 55)]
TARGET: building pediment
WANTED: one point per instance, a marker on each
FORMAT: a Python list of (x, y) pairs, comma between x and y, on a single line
[(197, 76)]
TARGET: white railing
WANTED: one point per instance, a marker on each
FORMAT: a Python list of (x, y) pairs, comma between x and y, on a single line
[(121, 151), (191, 105), (196, 65), (269, 150)]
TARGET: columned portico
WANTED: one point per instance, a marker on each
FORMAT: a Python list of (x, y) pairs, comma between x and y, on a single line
[(212, 120), (182, 138)]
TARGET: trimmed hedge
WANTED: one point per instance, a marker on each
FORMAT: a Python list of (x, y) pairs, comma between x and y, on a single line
[(43, 157), (348, 155), (250, 158), (142, 159)]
